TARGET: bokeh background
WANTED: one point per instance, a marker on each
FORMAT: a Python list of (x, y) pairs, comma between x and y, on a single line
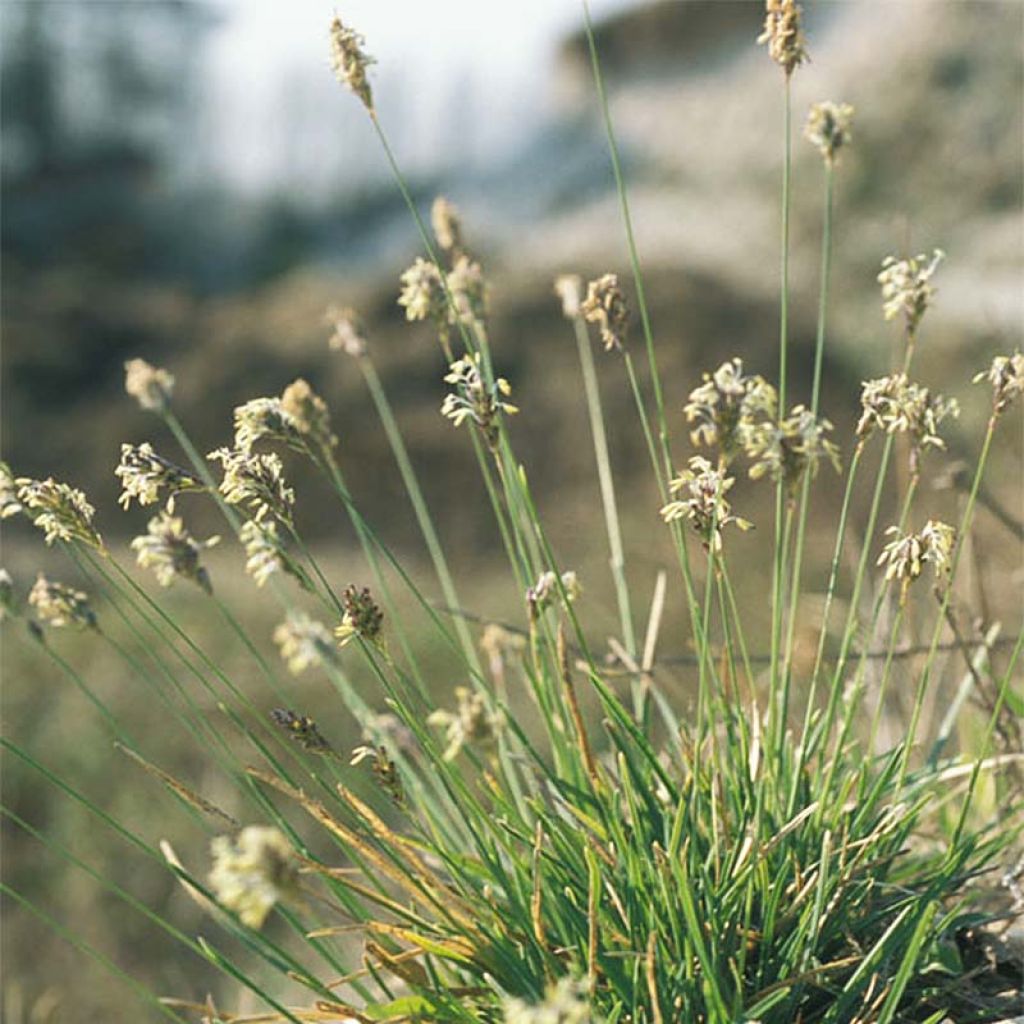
[(186, 181)]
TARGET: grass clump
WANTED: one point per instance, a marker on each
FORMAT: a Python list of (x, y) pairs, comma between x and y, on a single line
[(756, 855)]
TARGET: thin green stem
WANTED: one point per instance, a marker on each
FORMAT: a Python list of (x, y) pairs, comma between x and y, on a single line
[(420, 507), (940, 619), (607, 484), (634, 259)]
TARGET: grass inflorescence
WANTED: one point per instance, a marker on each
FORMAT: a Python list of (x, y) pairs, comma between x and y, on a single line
[(755, 855)]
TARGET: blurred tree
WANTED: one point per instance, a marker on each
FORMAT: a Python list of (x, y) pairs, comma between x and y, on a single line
[(98, 106)]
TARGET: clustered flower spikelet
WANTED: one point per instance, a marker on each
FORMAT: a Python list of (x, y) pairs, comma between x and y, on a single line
[(389, 728), (362, 617), (447, 225), (498, 642), (265, 553), (9, 504), (468, 291), (545, 591), (569, 288), (907, 286), (144, 474), (385, 771), (471, 723), (605, 305), (727, 407), (303, 642), (264, 419), (302, 729), (790, 448), (149, 386), (58, 605), (255, 480), (905, 555), (422, 293), (349, 61), (252, 871), (471, 398), (308, 412), (565, 1002), (1006, 375), (699, 494), (783, 34), (348, 333), (828, 127), (61, 512), (896, 405), (171, 551)]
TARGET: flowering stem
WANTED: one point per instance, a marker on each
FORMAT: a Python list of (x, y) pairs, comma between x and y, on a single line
[(778, 562), (634, 259), (940, 619), (832, 580), (784, 291), (819, 349), (822, 730), (604, 472), (663, 490), (420, 507), (115, 726)]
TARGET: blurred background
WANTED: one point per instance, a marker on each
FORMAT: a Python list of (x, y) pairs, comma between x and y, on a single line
[(184, 180)]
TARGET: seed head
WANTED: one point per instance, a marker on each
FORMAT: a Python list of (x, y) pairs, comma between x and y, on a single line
[(605, 305), (471, 723), (498, 642), (1006, 375), (727, 407), (302, 729), (252, 871), (362, 617), (905, 555), (569, 288), (389, 728), (447, 225), (699, 494), (784, 35), (565, 1002), (149, 386), (308, 412), (423, 294), (9, 504), (349, 336), (265, 553), (255, 480), (907, 288), (500, 645), (60, 511), (468, 292), (545, 591), (787, 450), (471, 398), (303, 642), (264, 419), (828, 128), (58, 605), (144, 474), (385, 771), (171, 551), (349, 62), (896, 405)]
